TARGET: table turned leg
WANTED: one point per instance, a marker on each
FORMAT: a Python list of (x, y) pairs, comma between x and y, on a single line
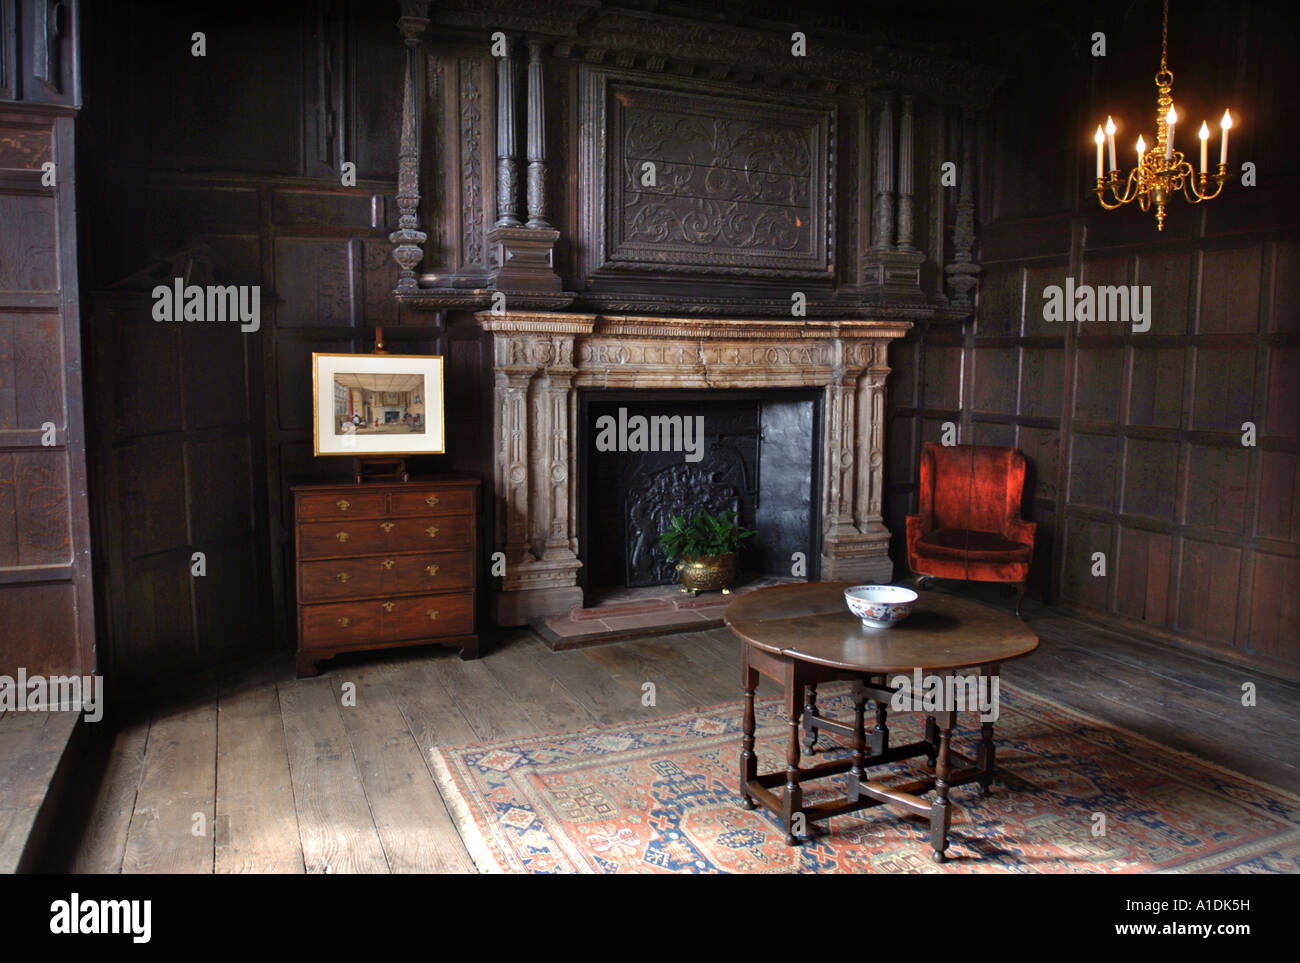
[(809, 715), (940, 810), (986, 759), (859, 770), (793, 801), (931, 737), (880, 734), (748, 758)]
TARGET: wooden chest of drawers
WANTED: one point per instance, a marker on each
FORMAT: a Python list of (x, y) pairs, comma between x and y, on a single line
[(384, 564)]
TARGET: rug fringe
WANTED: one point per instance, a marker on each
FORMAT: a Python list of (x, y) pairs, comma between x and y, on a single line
[(458, 808)]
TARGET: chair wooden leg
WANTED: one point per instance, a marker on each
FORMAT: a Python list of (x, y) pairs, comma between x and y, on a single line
[(922, 581), (1021, 589)]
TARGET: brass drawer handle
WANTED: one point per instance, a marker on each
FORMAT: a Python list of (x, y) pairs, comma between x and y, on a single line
[(431, 569), (387, 526), (343, 504), (342, 536), (388, 563), (342, 577), (344, 621), (432, 613), (388, 606), (431, 501), (433, 531)]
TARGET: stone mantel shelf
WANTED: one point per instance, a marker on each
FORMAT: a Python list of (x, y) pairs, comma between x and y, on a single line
[(542, 359)]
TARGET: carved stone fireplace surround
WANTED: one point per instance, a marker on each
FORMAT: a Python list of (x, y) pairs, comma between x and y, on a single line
[(541, 360)]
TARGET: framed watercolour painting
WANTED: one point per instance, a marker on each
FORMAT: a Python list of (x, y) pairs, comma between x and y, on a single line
[(377, 404)]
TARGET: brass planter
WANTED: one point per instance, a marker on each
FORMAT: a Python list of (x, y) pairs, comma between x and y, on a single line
[(706, 573)]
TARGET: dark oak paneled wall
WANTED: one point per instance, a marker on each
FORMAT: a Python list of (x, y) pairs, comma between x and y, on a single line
[(1134, 440), (231, 163), (46, 610), (234, 160)]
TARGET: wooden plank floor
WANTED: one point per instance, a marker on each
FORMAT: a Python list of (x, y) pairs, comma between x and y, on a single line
[(333, 774)]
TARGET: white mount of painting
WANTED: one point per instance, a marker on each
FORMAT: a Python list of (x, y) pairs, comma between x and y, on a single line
[(377, 404)]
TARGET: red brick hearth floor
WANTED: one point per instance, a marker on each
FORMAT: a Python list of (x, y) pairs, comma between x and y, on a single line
[(618, 613)]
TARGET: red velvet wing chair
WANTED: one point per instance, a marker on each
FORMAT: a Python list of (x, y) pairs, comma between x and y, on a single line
[(968, 525)]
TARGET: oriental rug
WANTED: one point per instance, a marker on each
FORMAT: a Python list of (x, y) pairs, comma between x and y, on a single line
[(1074, 795)]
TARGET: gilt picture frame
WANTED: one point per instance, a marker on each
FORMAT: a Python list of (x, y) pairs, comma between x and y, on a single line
[(368, 405)]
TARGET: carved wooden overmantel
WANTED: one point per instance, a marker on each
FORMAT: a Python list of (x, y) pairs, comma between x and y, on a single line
[(542, 360), (775, 174)]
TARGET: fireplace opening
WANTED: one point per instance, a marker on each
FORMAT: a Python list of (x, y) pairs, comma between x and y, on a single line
[(648, 455)]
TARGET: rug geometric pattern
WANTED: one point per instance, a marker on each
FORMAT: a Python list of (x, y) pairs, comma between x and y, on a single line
[(659, 796)]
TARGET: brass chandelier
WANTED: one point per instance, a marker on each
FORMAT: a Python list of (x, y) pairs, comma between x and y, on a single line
[(1161, 171)]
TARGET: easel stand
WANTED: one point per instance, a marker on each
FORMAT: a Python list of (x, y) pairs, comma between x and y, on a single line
[(379, 469)]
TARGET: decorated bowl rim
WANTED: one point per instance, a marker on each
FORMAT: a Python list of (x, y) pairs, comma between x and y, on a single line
[(849, 593)]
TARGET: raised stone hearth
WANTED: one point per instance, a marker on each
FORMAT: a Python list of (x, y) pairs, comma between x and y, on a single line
[(541, 360)]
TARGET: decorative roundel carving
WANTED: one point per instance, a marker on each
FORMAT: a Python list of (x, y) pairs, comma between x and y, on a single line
[(558, 474), (543, 351), (876, 459), (846, 458), (517, 475)]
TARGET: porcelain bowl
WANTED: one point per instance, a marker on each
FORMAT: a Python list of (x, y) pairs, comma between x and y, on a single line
[(880, 606)]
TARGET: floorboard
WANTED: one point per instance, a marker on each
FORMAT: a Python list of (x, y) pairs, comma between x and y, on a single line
[(334, 821), (171, 829), (300, 778), (414, 827)]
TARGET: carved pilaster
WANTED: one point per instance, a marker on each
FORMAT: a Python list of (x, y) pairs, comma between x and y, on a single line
[(963, 271), (408, 239), (512, 463), (855, 542), (507, 148), (906, 162), (536, 139)]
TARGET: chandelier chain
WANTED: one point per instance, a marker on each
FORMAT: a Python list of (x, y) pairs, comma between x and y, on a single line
[(1164, 39)]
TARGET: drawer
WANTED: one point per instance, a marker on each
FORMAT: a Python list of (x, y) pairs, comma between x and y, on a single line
[(454, 502), (345, 578), (356, 537), (341, 622), (431, 533), (444, 572), (428, 616), (321, 507)]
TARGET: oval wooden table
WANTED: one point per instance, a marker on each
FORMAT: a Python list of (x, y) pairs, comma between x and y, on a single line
[(803, 635)]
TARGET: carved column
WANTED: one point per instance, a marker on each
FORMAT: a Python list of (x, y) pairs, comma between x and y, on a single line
[(536, 139), (524, 254), (507, 148), (905, 166), (892, 273), (963, 271), (408, 239), (885, 174)]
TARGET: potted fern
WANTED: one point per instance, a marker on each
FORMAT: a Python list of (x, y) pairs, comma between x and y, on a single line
[(705, 549)]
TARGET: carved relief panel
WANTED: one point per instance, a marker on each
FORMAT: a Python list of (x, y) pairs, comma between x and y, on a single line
[(698, 177)]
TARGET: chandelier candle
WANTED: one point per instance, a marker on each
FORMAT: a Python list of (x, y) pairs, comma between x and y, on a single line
[(1161, 171)]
